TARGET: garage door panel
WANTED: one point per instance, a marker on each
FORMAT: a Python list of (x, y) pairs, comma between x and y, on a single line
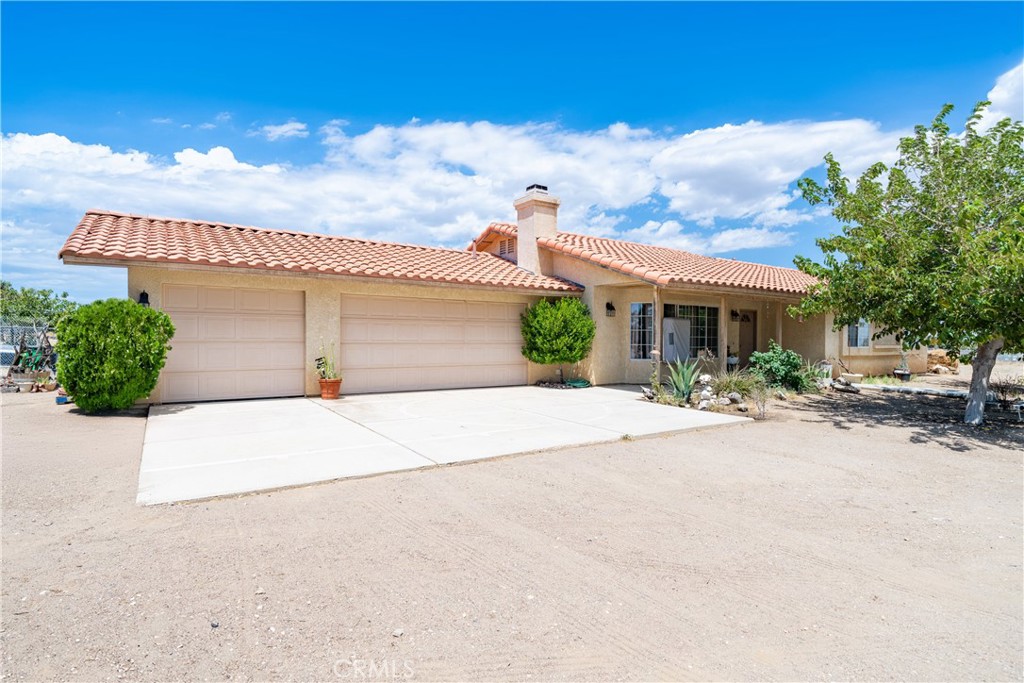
[(428, 344), (355, 330), (217, 327), (186, 327), (287, 356), (180, 387), (217, 299), (184, 297), (288, 302), (183, 357), (286, 328), (233, 343), (250, 327), (215, 356)]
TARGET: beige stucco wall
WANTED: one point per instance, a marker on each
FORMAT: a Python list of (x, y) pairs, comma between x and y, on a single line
[(323, 301), (876, 359)]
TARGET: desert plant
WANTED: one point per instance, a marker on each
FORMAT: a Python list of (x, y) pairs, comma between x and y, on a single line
[(111, 353), (743, 382), (760, 396), (557, 333), (779, 367), (1007, 388), (324, 364), (682, 376)]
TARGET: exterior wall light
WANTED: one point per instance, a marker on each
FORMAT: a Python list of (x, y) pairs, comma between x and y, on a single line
[(609, 309), (144, 298)]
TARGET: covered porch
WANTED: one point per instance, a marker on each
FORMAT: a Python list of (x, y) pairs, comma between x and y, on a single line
[(638, 324)]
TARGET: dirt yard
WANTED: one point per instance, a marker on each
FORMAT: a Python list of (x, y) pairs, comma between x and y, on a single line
[(847, 537)]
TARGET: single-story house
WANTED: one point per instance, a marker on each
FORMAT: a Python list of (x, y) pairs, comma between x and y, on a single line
[(252, 307)]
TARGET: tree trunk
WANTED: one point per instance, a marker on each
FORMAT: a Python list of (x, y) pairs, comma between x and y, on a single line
[(981, 371)]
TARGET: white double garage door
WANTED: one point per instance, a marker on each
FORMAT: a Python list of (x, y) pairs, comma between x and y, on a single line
[(251, 343)]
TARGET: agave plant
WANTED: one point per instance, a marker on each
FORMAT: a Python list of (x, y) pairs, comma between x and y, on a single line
[(683, 378)]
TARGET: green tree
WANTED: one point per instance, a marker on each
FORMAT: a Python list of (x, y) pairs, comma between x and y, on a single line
[(111, 353), (932, 249), (557, 333), (33, 304)]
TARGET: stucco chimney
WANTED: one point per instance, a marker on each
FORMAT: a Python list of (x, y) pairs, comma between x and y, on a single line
[(536, 216)]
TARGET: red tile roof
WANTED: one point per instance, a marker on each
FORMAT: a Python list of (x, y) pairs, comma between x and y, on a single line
[(665, 266), (105, 235)]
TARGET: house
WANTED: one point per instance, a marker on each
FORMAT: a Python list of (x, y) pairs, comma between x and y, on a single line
[(252, 307)]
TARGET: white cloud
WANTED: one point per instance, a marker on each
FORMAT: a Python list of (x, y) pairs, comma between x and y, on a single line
[(291, 129), (223, 117), (714, 191), (1007, 98), (162, 120), (207, 126)]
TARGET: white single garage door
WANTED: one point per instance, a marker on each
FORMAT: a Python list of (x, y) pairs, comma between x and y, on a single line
[(233, 343), (396, 344)]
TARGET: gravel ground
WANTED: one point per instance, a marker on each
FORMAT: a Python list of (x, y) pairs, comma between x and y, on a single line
[(846, 537)]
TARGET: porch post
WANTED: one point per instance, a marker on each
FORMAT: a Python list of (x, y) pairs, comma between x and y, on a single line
[(778, 323), (723, 332), (656, 349)]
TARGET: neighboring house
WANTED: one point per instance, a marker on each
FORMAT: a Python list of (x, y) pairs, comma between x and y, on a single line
[(252, 306)]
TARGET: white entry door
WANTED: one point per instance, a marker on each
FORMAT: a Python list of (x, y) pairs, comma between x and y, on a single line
[(408, 344), (233, 343)]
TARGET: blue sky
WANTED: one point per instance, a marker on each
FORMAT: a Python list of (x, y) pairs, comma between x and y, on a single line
[(679, 124)]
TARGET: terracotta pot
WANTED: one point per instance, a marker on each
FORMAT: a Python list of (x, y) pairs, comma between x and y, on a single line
[(330, 388)]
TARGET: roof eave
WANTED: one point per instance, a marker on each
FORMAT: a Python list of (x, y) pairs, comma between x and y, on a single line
[(74, 259)]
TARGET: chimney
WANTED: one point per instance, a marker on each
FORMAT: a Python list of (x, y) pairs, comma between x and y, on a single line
[(536, 216)]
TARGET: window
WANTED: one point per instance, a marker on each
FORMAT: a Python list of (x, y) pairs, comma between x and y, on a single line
[(641, 331), (703, 326), (859, 335)]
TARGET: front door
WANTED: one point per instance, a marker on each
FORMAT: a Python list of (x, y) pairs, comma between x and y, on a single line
[(748, 335)]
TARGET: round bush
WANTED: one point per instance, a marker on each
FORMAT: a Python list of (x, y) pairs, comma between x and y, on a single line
[(110, 353), (557, 333)]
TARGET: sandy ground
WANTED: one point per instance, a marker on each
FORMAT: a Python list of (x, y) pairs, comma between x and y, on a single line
[(844, 538)]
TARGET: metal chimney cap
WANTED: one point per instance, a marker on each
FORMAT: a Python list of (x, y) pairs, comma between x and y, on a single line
[(539, 188)]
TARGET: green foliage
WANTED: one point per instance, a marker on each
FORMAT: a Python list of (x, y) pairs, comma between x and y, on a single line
[(111, 353), (33, 304), (557, 333), (682, 377), (324, 364), (743, 382), (780, 367), (932, 248)]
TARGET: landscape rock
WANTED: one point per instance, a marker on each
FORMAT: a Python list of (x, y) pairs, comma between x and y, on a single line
[(742, 407), (941, 370), (724, 401), (734, 396), (703, 405), (706, 395), (705, 379)]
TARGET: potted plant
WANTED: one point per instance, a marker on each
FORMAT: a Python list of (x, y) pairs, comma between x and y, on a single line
[(902, 370), (327, 373)]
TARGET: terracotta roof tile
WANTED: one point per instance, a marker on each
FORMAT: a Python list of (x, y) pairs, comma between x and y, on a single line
[(106, 235), (665, 266)]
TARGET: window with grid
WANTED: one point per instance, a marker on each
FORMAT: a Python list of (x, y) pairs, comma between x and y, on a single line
[(641, 331), (703, 326), (859, 335)]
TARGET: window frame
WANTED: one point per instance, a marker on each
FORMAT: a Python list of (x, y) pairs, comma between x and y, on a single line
[(641, 330), (853, 335), (704, 324)]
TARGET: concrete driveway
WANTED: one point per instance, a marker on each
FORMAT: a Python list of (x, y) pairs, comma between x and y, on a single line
[(201, 450)]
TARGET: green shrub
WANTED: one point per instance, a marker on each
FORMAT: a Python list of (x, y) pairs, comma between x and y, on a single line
[(743, 382), (111, 353), (557, 333), (780, 367), (682, 377)]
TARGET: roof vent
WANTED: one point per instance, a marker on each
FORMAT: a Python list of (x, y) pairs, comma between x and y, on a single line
[(539, 188)]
